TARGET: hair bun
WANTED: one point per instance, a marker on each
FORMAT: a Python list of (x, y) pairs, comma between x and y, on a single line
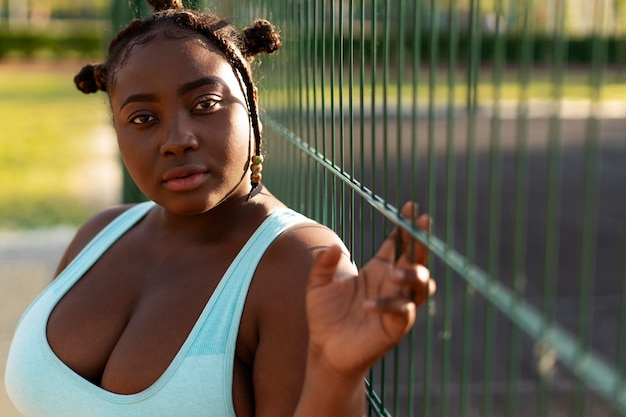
[(160, 5), (262, 36), (91, 79)]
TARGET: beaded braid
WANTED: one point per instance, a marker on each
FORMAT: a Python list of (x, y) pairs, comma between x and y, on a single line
[(238, 50)]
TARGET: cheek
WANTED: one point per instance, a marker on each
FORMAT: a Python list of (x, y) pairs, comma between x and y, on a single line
[(239, 142)]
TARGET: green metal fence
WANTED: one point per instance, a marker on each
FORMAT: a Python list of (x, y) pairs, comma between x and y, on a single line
[(506, 121)]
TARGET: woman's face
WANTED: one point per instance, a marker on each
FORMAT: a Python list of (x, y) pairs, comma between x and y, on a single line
[(182, 124)]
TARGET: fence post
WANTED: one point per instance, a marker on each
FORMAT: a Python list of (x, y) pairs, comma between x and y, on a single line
[(122, 12)]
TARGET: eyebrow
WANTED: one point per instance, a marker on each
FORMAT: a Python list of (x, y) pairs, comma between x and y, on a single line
[(192, 85), (182, 90), (139, 98)]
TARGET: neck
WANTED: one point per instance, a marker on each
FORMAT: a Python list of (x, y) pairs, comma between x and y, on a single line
[(231, 218)]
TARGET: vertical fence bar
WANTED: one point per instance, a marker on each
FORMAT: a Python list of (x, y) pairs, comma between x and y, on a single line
[(590, 187), (323, 113), (430, 183), (386, 33), (494, 209), (385, 95), (342, 133), (470, 200), (373, 36), (362, 34), (361, 107), (416, 67), (450, 206), (302, 65), (311, 125), (290, 63), (373, 78), (286, 60), (351, 115), (308, 69), (401, 42), (520, 198), (279, 84), (553, 193), (432, 101), (621, 327), (427, 332), (333, 69)]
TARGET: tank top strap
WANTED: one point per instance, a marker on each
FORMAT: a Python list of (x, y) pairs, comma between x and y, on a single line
[(99, 244), (219, 323)]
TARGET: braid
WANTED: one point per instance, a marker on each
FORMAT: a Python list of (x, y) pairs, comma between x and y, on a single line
[(239, 49), (244, 71)]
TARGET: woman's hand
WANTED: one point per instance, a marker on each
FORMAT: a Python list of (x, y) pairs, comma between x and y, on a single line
[(354, 321)]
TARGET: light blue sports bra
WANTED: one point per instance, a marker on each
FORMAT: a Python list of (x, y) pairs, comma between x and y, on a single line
[(199, 380)]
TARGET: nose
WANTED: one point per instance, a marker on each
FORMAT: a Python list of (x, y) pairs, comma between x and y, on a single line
[(179, 139)]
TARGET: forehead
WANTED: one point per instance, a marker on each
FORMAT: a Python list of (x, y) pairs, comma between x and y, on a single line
[(164, 62)]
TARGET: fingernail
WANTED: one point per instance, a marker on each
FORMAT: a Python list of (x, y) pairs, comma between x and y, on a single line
[(423, 273)]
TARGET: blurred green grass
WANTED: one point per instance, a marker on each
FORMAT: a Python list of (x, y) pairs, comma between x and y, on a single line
[(44, 140)]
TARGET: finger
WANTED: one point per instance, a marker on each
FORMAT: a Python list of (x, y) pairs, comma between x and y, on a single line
[(394, 305), (387, 251), (325, 266), (416, 283), (402, 311), (420, 251), (406, 244), (432, 287), (428, 290)]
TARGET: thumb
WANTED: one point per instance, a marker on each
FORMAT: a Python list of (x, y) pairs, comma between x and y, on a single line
[(325, 266)]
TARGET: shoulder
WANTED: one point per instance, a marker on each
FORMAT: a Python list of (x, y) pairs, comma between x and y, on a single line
[(285, 266), (302, 241), (88, 231)]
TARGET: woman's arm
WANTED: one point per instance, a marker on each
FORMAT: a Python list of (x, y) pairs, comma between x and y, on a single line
[(277, 299), (354, 322), (312, 356)]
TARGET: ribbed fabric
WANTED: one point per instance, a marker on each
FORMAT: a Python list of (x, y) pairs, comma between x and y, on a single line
[(198, 382)]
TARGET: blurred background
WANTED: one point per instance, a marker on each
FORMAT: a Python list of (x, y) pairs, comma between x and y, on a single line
[(58, 157), (505, 118)]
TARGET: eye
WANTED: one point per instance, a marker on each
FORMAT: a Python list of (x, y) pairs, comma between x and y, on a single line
[(205, 105), (142, 119)]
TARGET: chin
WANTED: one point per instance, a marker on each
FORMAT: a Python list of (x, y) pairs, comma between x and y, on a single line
[(191, 208), (194, 206)]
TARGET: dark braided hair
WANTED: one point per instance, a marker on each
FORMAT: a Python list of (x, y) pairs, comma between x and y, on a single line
[(238, 48)]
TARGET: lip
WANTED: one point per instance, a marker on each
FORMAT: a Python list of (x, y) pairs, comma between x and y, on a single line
[(184, 178)]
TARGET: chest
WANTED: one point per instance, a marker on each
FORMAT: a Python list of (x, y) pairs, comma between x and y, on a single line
[(125, 321)]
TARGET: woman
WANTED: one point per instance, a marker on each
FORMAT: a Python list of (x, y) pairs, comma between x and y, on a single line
[(213, 298)]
